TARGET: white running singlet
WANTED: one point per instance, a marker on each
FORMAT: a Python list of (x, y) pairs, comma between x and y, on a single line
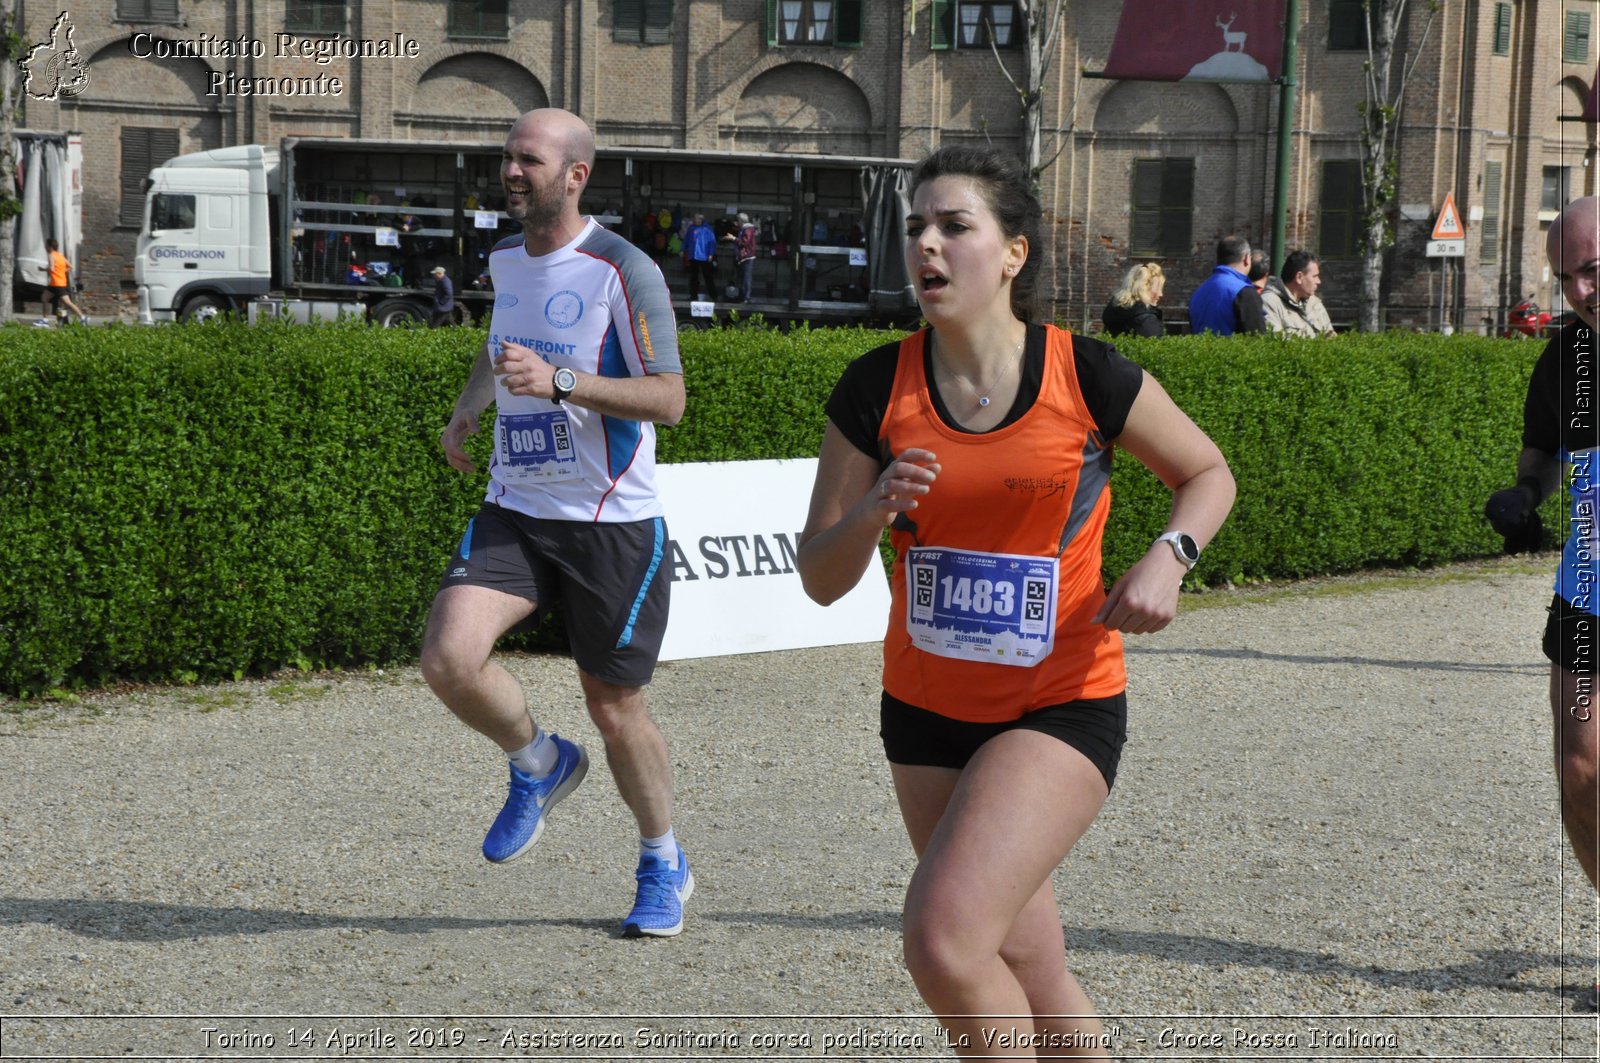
[(598, 305)]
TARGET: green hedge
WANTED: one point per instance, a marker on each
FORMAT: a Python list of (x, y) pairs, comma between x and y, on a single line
[(200, 502), (1359, 451)]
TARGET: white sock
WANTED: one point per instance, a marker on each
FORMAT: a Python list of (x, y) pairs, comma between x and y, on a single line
[(664, 848), (537, 758)]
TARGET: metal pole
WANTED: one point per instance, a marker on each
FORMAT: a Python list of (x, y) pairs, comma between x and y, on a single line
[(1444, 282), (1280, 196)]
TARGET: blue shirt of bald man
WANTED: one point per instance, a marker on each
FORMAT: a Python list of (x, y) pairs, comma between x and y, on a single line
[(1226, 302)]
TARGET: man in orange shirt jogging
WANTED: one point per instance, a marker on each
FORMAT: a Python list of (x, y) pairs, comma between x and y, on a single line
[(57, 291)]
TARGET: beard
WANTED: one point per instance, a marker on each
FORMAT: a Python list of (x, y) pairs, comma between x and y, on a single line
[(541, 207)]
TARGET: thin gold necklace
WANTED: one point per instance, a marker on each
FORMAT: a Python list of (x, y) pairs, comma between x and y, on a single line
[(1011, 363)]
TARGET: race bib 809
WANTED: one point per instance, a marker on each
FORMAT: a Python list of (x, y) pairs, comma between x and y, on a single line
[(532, 447)]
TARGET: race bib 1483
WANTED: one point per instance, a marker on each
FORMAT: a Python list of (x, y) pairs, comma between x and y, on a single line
[(999, 608)]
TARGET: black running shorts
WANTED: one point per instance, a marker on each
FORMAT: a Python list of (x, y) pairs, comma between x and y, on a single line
[(1569, 637), (1095, 727), (608, 577)]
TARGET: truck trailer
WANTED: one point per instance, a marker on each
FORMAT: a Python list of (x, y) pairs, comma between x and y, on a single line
[(320, 227), (308, 228), (49, 185)]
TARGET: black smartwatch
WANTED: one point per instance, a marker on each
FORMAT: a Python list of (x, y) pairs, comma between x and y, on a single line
[(1182, 545), (563, 382)]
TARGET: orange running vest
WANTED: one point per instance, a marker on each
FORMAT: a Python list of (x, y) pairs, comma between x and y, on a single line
[(1038, 487)]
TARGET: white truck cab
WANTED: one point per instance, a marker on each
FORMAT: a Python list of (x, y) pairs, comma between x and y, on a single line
[(206, 245)]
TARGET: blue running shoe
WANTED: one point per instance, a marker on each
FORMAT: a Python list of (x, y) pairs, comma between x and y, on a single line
[(521, 821), (658, 906)]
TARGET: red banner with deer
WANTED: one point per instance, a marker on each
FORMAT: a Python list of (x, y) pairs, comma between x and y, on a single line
[(1198, 40)]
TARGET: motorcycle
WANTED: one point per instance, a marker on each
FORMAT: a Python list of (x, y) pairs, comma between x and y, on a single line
[(1528, 319)]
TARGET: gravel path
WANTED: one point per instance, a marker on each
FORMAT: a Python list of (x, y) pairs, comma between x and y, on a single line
[(1334, 835)]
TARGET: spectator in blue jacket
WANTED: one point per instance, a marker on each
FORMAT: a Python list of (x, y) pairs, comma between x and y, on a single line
[(1226, 302), (444, 299), (700, 249)]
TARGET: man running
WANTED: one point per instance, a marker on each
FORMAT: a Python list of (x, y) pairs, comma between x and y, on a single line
[(581, 362), (1559, 427)]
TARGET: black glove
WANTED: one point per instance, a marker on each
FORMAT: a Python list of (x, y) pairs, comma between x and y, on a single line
[(1510, 509), (1528, 539), (1513, 514)]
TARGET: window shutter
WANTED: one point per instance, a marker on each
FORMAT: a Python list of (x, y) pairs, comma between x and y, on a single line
[(1502, 29), (1177, 184), (941, 32), (1146, 183), (1489, 244), (848, 31), (1177, 206), (772, 23), (163, 146), (315, 16), (1145, 236), (627, 21), (498, 17), (135, 167), (1575, 39), (1339, 213), (1347, 25), (657, 21), (142, 151), (147, 10)]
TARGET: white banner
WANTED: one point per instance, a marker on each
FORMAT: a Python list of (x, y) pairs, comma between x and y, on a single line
[(735, 530)]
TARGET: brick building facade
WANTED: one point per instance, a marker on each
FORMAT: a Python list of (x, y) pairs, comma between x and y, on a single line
[(886, 78)]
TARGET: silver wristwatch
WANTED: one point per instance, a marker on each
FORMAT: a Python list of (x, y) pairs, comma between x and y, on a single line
[(563, 382)]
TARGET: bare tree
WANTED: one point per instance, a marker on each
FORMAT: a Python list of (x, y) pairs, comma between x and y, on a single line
[(11, 48), (1387, 70), (1040, 27)]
